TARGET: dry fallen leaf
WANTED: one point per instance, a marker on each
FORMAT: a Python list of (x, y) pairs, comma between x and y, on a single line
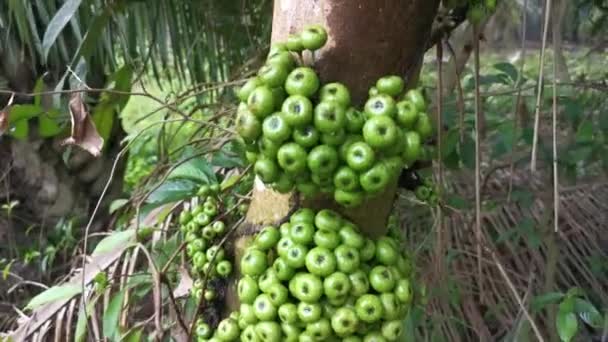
[(84, 133), (4, 113)]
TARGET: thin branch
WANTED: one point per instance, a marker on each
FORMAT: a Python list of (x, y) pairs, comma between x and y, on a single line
[(554, 119), (520, 302), (540, 87), (478, 233)]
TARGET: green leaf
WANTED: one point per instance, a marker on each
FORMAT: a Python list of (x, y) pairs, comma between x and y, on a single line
[(103, 117), (584, 134), (116, 239), (117, 204), (83, 316), (197, 170), (53, 294), (48, 125), (172, 191), (229, 182), (54, 28), (133, 336), (566, 324), (24, 112), (508, 69), (19, 129), (588, 313), (94, 32), (539, 302), (111, 326)]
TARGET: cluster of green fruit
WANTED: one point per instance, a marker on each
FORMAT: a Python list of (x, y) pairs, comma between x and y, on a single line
[(477, 10), (427, 192), (316, 278), (203, 229), (306, 135)]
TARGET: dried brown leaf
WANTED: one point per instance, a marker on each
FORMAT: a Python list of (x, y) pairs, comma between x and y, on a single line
[(4, 115), (84, 133), (185, 284)]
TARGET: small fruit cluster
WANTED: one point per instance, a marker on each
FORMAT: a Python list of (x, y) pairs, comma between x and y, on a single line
[(202, 230), (316, 278), (427, 192), (306, 135)]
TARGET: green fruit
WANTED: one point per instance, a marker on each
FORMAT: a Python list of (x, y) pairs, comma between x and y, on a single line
[(313, 37), (247, 313), (282, 58), (291, 332), (328, 219), (268, 331), (247, 88), (374, 336), (261, 102), (351, 237), (424, 126), (360, 156), (288, 313), (407, 115), (403, 290), (297, 111), (249, 335), (307, 136), (348, 199), (296, 255), (369, 308), (254, 262), (302, 81), (390, 85), (347, 258), (283, 270), (392, 330), (354, 121), (228, 330), (323, 159), (267, 170), (306, 287), (346, 179), (309, 312), (380, 105), (223, 268), (336, 285), (327, 238), (386, 252), (278, 294), (283, 246), (273, 75), (267, 238), (292, 158), (263, 308), (294, 43), (382, 279), (359, 283), (203, 330), (319, 330), (302, 215), (344, 321), (336, 92), (368, 251), (413, 147), (391, 305), (329, 117), (267, 279), (219, 227), (320, 261), (380, 132), (276, 128), (302, 233), (375, 179), (277, 47), (350, 139), (415, 97), (336, 138), (284, 184)]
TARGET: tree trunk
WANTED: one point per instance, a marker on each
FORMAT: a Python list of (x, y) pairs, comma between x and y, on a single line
[(367, 40)]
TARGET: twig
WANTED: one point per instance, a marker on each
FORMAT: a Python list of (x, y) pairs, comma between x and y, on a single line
[(520, 302), (477, 160), (540, 87), (158, 310), (440, 223), (554, 119), (518, 82)]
